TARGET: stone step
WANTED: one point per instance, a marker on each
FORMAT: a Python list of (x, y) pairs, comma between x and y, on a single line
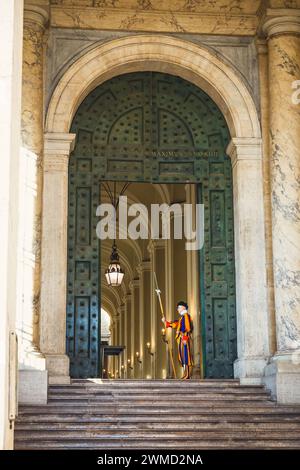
[(160, 385), (254, 444), (159, 426), (150, 381), (183, 384), (163, 401), (139, 414), (155, 384), (152, 388), (148, 418), (139, 392), (217, 442), (155, 410), (181, 433), (155, 406), (156, 390)]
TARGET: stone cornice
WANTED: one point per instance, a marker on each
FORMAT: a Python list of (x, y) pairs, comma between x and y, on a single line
[(203, 19), (107, 18), (281, 21)]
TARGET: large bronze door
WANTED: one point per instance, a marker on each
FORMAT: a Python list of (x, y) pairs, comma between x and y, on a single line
[(156, 128)]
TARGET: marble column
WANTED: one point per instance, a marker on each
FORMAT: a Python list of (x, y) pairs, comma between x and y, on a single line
[(180, 277), (262, 50), (193, 290), (250, 260), (54, 256), (116, 343), (111, 358), (129, 352), (122, 340), (169, 296), (135, 318), (113, 343), (282, 376), (33, 375), (144, 270)]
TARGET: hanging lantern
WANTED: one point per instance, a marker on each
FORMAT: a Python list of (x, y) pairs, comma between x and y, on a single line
[(114, 274)]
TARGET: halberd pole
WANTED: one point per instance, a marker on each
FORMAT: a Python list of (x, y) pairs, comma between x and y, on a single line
[(158, 292)]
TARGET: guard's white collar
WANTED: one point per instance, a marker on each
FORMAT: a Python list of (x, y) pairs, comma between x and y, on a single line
[(183, 312)]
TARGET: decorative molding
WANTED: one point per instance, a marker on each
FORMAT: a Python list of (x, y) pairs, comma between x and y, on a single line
[(66, 45), (191, 62)]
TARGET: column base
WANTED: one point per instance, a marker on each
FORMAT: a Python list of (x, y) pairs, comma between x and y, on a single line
[(32, 377), (282, 378), (196, 372), (197, 357), (250, 370), (33, 387), (58, 366)]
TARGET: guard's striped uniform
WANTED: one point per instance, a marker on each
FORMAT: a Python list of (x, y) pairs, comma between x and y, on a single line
[(183, 337)]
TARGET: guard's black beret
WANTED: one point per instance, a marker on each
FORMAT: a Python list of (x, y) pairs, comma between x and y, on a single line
[(184, 304)]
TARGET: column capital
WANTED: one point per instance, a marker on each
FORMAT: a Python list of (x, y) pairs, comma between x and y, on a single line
[(56, 143), (134, 284), (155, 244), (57, 149), (244, 148), (127, 298), (36, 15), (261, 46), (121, 307), (144, 266), (281, 21)]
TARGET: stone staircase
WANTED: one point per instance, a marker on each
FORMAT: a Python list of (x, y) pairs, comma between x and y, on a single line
[(158, 414)]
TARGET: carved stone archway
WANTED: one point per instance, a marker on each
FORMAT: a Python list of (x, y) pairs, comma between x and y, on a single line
[(223, 84)]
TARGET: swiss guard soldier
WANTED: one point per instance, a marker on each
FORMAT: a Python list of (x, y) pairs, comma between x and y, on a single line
[(184, 328)]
